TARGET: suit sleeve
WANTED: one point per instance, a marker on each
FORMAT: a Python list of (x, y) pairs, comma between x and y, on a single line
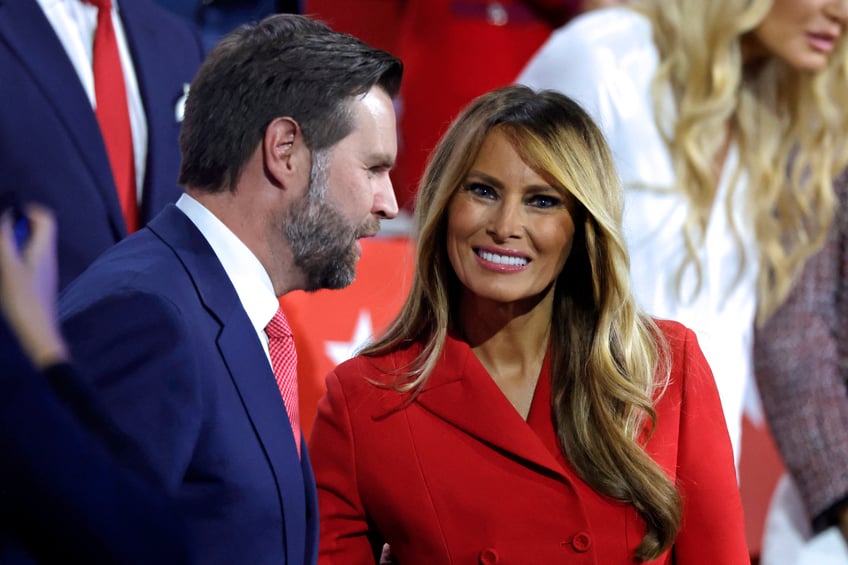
[(64, 497), (136, 349), (801, 357), (713, 527), (345, 532)]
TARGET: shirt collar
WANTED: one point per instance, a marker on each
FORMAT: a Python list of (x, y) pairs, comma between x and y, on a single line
[(247, 275)]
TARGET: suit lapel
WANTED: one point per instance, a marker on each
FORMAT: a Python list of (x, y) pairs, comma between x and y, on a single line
[(25, 29), (143, 39), (247, 364), (462, 393), (252, 376)]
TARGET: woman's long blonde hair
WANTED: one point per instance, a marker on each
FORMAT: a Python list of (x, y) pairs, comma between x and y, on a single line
[(609, 360), (790, 126)]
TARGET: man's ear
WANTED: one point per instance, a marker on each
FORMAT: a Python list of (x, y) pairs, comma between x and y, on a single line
[(286, 157)]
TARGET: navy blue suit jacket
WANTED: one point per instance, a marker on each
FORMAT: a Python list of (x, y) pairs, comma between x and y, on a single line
[(51, 149), (65, 499), (158, 325)]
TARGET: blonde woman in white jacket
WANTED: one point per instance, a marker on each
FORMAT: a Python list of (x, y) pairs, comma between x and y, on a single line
[(724, 118)]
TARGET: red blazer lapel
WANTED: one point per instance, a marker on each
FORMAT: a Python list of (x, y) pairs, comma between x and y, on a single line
[(461, 392)]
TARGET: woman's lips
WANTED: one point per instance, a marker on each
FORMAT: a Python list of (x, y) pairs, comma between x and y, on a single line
[(823, 42), (501, 260)]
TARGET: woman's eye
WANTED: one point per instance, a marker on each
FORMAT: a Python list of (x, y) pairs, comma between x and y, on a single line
[(544, 201), (481, 190)]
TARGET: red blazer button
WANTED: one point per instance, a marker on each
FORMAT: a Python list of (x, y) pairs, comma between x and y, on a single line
[(488, 556), (581, 542)]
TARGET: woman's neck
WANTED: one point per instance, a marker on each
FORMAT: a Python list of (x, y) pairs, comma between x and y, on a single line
[(752, 52), (510, 341), (486, 324)]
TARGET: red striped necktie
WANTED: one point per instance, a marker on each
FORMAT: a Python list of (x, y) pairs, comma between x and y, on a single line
[(284, 363)]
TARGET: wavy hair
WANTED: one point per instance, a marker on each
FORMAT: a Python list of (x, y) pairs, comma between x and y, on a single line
[(789, 126), (609, 362)]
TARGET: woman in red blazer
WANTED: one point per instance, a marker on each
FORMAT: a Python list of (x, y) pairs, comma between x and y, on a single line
[(521, 409)]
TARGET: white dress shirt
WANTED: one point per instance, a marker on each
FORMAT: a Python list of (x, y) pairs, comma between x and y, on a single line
[(606, 61), (250, 279), (75, 23)]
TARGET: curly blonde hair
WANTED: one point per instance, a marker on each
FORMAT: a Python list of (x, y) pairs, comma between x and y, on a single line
[(789, 125), (608, 359)]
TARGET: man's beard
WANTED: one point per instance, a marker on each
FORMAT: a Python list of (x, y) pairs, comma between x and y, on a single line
[(322, 241)]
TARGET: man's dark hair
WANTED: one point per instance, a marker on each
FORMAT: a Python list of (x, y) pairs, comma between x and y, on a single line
[(286, 65)]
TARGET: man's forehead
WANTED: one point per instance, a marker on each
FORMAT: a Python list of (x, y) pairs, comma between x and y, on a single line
[(374, 120), (376, 102)]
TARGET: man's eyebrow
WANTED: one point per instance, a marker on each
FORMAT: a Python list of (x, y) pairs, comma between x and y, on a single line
[(381, 159)]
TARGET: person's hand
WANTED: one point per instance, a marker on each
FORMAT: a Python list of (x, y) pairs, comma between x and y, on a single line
[(28, 285)]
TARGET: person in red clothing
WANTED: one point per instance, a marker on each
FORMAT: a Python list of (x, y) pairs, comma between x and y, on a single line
[(452, 51), (522, 408)]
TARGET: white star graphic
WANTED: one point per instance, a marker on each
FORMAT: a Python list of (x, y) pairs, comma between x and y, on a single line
[(340, 351)]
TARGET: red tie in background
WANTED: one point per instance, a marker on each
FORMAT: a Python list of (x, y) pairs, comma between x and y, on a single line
[(113, 113), (284, 362)]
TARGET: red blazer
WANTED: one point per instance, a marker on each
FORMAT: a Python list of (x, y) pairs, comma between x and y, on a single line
[(457, 476)]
